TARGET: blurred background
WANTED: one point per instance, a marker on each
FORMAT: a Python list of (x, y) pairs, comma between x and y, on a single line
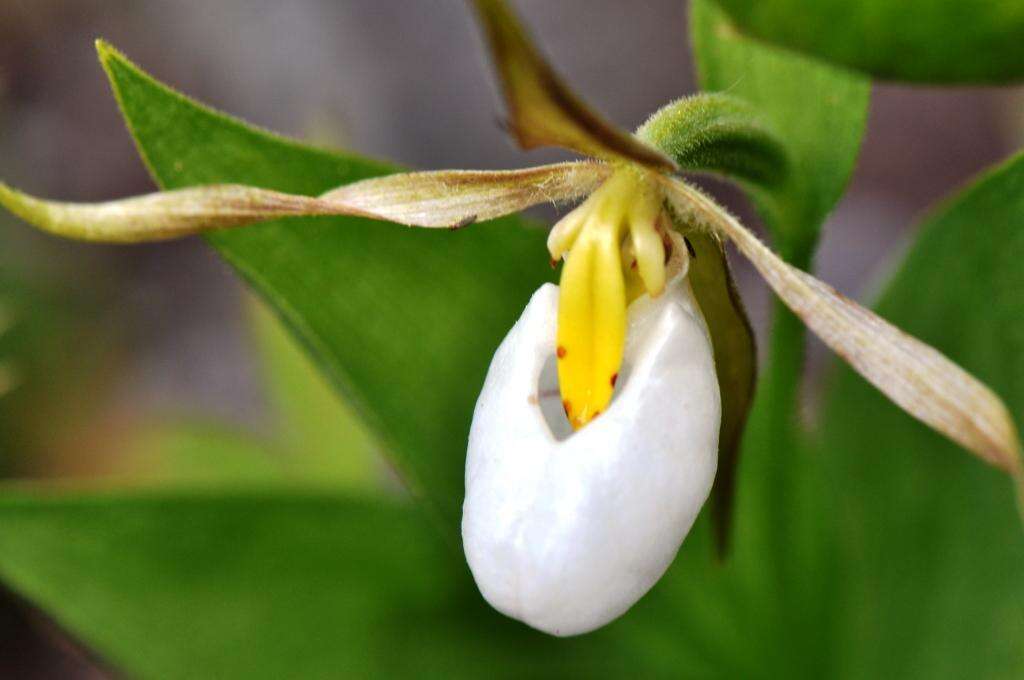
[(152, 334)]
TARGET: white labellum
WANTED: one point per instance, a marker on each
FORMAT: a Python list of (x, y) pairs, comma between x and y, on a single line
[(566, 535)]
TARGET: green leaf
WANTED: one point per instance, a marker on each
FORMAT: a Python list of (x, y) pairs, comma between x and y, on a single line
[(934, 41), (933, 546), (319, 435), (818, 112), (199, 454), (402, 321), (267, 585), (313, 437)]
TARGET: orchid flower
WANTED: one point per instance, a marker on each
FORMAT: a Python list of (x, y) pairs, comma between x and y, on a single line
[(595, 438)]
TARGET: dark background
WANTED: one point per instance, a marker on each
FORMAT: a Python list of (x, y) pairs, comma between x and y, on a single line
[(403, 80)]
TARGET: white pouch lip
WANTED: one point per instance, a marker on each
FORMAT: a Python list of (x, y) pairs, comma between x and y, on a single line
[(567, 535)]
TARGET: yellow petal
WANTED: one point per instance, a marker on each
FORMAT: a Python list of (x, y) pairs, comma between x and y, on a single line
[(591, 324)]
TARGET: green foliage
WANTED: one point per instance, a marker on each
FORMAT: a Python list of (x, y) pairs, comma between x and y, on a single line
[(933, 551), (320, 436), (266, 585), (402, 321), (190, 455), (931, 41), (272, 583), (817, 111), (51, 353), (311, 437)]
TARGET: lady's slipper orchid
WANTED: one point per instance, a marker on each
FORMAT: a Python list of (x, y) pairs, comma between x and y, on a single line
[(567, 534)]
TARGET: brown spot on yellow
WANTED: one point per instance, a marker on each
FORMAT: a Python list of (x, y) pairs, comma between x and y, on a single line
[(554, 263), (560, 352), (615, 377), (567, 406)]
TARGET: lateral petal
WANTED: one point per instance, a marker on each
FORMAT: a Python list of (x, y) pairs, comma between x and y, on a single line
[(917, 377), (445, 198)]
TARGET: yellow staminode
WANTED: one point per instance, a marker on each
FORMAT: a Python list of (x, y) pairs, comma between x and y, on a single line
[(592, 303)]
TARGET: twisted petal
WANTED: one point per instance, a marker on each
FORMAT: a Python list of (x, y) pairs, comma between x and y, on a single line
[(542, 110), (447, 198), (454, 197), (915, 376)]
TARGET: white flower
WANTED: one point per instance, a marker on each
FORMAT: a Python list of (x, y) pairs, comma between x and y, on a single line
[(567, 534)]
